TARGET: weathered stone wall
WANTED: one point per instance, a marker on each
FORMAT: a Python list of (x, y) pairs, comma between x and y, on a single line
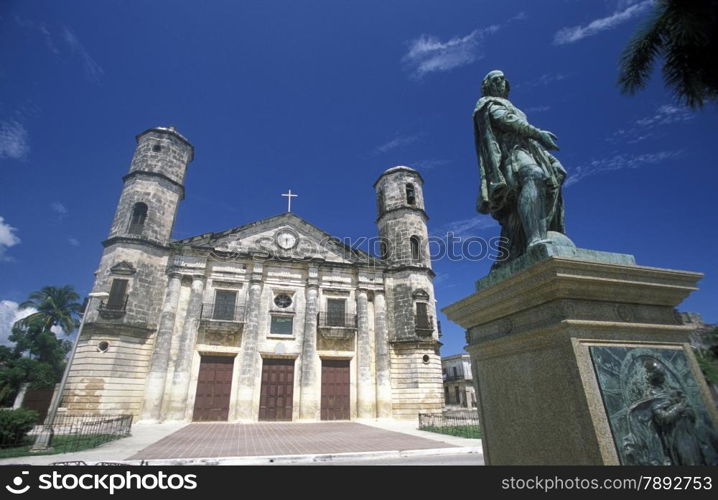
[(392, 187), (417, 385), (114, 379), (399, 220), (404, 289), (110, 381), (147, 281), (162, 199), (172, 158)]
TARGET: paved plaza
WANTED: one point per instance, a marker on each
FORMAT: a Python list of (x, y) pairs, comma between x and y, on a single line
[(207, 440), (277, 443)]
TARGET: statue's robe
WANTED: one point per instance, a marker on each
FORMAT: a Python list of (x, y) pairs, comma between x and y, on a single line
[(506, 142)]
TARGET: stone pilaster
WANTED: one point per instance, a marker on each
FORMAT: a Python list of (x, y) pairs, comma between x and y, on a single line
[(155, 387), (249, 361), (309, 407), (383, 367), (365, 384), (180, 379)]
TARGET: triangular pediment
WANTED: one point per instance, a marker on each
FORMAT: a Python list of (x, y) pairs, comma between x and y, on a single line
[(283, 236)]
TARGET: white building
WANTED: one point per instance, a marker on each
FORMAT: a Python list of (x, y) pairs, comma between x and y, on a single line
[(458, 381)]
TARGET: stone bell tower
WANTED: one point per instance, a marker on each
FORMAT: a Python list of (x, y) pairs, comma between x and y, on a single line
[(411, 310), (154, 187), (138, 243), (112, 359)]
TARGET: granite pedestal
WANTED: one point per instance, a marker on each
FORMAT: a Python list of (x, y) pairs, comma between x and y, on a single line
[(561, 341)]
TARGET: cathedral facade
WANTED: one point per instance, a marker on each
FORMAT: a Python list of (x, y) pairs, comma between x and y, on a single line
[(272, 320)]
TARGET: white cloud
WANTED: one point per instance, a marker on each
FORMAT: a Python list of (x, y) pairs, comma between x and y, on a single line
[(42, 28), (617, 162), (575, 33), (48, 39), (646, 127), (545, 79), (666, 114), (8, 238), (9, 314), (73, 241), (427, 54), (59, 209), (466, 227), (93, 71), (429, 164), (397, 142), (58, 331), (13, 140)]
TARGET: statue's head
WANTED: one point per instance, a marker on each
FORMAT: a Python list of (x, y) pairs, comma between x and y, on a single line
[(495, 84), (655, 375)]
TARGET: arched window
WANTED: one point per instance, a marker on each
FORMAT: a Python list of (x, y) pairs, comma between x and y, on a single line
[(380, 202), (414, 241), (382, 250), (139, 216), (410, 194)]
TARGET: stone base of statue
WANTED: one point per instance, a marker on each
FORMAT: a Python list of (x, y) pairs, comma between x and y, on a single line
[(580, 358)]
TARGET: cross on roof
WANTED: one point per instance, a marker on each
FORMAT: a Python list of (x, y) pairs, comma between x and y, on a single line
[(289, 197)]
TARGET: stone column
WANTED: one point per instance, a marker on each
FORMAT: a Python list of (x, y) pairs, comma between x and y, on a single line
[(181, 377), (383, 362), (20, 396), (155, 387), (365, 384), (309, 397), (248, 363)]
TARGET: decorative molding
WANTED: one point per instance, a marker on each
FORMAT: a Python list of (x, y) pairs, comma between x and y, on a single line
[(139, 173), (133, 240), (218, 284), (420, 294), (123, 268)]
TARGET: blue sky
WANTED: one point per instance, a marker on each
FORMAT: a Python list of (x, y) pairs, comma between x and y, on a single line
[(321, 97)]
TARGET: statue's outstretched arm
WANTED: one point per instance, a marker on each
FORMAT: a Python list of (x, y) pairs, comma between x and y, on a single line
[(506, 120)]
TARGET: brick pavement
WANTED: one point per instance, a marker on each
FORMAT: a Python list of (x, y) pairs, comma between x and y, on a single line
[(207, 440)]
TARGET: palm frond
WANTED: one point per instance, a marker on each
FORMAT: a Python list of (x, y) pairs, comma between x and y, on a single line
[(638, 57)]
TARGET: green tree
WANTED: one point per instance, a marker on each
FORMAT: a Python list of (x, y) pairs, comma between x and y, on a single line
[(38, 356), (56, 306), (685, 34), (707, 355)]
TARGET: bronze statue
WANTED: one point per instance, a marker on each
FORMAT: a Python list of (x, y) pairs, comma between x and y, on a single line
[(520, 180)]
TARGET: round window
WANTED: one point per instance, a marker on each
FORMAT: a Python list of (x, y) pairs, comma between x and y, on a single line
[(283, 300), (103, 346), (425, 358)]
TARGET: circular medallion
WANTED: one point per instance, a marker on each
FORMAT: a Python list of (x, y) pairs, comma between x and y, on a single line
[(286, 239), (283, 301)]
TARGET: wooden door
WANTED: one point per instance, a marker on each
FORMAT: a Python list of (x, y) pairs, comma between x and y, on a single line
[(335, 390), (214, 385), (275, 399)]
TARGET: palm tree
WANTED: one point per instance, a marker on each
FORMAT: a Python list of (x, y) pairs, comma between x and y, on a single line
[(55, 307), (685, 34)]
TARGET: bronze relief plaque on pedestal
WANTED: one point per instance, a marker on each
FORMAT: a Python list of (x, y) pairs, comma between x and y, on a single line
[(654, 405)]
